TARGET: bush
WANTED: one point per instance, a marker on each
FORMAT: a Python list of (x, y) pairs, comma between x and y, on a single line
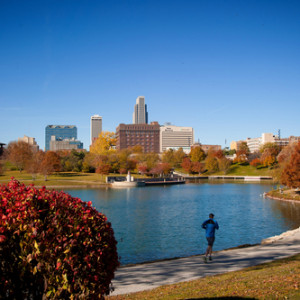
[(53, 246)]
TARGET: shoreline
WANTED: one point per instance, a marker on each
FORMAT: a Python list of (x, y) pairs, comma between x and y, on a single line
[(147, 276), (266, 241)]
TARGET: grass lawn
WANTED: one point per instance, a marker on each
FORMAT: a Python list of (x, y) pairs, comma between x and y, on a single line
[(238, 170), (59, 179), (276, 280)]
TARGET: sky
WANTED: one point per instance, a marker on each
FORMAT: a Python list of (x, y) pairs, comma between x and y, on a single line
[(229, 69)]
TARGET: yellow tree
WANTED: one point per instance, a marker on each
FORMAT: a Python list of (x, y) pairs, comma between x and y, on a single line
[(197, 154), (103, 145)]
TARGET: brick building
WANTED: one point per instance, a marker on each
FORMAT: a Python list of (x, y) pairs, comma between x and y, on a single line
[(145, 135)]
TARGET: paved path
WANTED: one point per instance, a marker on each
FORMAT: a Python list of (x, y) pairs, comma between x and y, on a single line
[(148, 276)]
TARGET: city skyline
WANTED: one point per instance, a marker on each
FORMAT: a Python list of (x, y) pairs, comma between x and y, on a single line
[(228, 69)]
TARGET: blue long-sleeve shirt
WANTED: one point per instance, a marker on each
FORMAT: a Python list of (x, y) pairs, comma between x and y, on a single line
[(210, 226)]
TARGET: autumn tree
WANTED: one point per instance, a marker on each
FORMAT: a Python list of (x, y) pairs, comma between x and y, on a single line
[(19, 153), (142, 168), (241, 157), (244, 147), (179, 155), (168, 156), (224, 164), (269, 154), (50, 163), (34, 165), (198, 167), (197, 154), (211, 164), (187, 164), (104, 143), (255, 162), (89, 163), (291, 173)]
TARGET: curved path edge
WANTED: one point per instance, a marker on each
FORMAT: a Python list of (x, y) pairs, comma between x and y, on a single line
[(151, 275)]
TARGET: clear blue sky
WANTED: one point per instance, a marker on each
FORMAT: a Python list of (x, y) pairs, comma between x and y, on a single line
[(229, 69)]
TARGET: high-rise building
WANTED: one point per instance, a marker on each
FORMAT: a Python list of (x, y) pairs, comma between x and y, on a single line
[(60, 132), (140, 114), (144, 135), (96, 127), (175, 137)]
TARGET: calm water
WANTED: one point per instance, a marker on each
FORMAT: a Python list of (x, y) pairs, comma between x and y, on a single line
[(164, 222)]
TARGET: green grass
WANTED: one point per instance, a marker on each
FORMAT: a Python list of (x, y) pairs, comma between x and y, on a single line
[(238, 170), (248, 170), (58, 179), (276, 280)]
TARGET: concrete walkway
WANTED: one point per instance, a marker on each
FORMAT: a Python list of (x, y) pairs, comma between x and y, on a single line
[(148, 276)]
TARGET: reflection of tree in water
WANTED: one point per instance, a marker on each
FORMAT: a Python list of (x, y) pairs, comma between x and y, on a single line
[(290, 211)]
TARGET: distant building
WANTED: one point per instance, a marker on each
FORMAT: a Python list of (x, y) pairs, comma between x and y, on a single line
[(140, 114), (175, 137), (235, 145), (57, 144), (286, 141), (145, 135), (60, 132), (254, 144), (207, 148), (29, 140), (96, 127)]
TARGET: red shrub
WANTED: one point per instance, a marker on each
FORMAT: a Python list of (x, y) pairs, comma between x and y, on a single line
[(53, 245), (255, 162)]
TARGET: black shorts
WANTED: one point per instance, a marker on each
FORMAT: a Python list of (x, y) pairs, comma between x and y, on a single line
[(210, 241)]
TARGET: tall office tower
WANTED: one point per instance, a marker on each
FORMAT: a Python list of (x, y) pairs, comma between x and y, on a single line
[(140, 114), (175, 137), (96, 127), (60, 132)]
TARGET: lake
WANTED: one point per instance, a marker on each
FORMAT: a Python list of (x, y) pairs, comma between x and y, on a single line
[(160, 222)]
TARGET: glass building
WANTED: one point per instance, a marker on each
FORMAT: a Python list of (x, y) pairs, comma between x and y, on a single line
[(60, 132)]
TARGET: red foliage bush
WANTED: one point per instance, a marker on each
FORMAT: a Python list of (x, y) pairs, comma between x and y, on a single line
[(255, 162), (53, 246)]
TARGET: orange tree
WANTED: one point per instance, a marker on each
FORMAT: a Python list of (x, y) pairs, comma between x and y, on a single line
[(53, 246), (19, 153), (290, 175)]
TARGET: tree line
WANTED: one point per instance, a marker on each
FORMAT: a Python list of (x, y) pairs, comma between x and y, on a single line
[(103, 159)]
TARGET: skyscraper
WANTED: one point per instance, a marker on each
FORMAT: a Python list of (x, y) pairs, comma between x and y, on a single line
[(96, 127), (140, 114), (60, 132)]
